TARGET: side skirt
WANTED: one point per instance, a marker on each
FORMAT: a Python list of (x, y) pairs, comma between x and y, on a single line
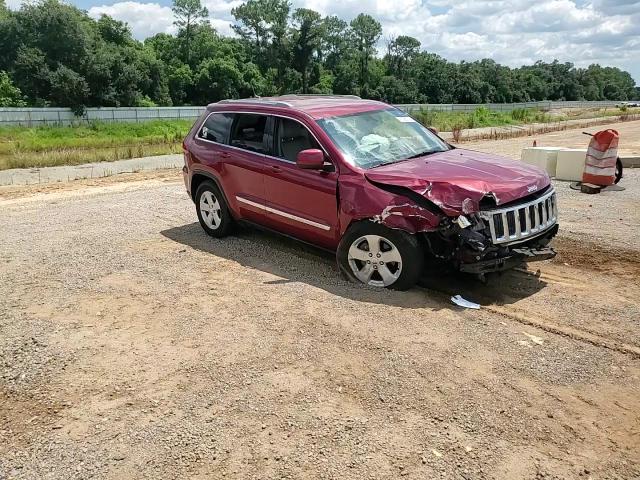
[(285, 235)]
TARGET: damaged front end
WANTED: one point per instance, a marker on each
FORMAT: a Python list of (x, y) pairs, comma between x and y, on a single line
[(496, 239), (469, 223)]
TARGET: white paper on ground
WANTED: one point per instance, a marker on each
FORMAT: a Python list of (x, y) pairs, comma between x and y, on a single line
[(458, 300)]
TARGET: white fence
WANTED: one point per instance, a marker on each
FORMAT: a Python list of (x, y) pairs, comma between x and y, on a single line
[(64, 116), (507, 107)]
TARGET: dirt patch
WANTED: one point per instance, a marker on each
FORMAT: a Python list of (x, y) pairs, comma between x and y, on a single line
[(8, 192), (629, 140), (24, 417), (590, 256)]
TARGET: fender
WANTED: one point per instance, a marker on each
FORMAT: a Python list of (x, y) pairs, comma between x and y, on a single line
[(196, 170), (394, 207)]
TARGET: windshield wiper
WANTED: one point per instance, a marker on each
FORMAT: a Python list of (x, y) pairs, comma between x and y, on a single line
[(423, 154)]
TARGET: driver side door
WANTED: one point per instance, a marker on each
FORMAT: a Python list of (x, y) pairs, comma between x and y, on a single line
[(301, 203)]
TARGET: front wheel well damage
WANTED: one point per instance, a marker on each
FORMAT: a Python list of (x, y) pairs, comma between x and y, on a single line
[(407, 210)]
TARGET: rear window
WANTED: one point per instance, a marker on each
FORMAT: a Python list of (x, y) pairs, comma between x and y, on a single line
[(216, 127), (248, 132)]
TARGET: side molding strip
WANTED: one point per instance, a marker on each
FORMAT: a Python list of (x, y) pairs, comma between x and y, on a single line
[(284, 214)]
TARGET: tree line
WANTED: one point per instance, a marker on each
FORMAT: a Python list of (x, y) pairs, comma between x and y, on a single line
[(54, 54)]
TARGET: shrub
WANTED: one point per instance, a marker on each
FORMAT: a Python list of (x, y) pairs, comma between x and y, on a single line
[(426, 117), (457, 133), (520, 114), (10, 95), (145, 101), (68, 88)]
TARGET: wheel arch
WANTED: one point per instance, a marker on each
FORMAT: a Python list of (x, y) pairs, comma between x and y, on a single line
[(201, 176)]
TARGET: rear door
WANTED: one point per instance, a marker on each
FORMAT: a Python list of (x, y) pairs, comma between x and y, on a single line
[(242, 166), (301, 203)]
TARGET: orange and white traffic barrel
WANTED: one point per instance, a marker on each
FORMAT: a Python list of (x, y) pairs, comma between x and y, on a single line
[(600, 164)]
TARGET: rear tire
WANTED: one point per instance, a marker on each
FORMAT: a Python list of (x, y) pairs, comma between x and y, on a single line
[(378, 256), (618, 174), (213, 211)]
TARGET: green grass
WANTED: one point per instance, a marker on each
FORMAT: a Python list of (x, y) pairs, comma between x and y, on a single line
[(22, 147), (481, 117)]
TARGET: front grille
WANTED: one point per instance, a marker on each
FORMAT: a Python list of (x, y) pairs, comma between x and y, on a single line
[(518, 223)]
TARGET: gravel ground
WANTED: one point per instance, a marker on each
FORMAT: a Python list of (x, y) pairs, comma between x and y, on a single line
[(134, 346)]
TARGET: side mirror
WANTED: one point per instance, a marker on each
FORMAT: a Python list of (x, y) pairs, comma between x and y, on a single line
[(433, 130), (311, 159)]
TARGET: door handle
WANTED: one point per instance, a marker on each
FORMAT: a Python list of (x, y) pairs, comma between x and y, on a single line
[(225, 154), (275, 168)]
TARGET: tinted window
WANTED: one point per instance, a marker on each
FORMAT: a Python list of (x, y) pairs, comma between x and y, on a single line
[(216, 127), (293, 137), (248, 132)]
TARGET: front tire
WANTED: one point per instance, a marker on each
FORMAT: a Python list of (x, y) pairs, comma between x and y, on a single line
[(213, 211), (378, 256)]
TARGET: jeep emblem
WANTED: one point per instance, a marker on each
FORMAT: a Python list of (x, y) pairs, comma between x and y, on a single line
[(532, 188)]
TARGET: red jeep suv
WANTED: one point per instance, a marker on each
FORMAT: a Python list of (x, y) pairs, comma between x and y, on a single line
[(364, 179)]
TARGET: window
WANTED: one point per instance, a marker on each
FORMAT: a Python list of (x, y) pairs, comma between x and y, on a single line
[(216, 127), (248, 132), (292, 138)]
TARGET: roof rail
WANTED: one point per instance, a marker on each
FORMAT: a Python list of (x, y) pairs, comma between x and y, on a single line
[(257, 101), (321, 95)]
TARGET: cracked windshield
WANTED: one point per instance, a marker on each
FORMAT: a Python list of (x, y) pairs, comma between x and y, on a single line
[(380, 137)]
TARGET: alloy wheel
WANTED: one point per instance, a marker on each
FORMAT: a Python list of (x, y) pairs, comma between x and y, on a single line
[(375, 260), (210, 210)]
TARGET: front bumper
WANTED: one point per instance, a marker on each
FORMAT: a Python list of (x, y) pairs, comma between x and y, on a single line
[(534, 250), (524, 254)]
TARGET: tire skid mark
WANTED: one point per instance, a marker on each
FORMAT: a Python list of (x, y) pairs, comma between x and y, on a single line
[(553, 278), (566, 331)]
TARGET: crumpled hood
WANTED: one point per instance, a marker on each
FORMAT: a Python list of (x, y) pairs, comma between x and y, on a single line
[(449, 178)]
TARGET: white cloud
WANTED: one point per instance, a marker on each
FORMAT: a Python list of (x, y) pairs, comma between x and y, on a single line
[(550, 16), (220, 14), (513, 32), (145, 19), (517, 32)]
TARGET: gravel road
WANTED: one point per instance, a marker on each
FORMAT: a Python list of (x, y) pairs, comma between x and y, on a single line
[(134, 346)]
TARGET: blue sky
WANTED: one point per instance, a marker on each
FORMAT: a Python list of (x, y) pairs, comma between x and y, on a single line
[(513, 32)]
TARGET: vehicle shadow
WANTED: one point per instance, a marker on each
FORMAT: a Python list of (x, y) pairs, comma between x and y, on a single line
[(294, 261)]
